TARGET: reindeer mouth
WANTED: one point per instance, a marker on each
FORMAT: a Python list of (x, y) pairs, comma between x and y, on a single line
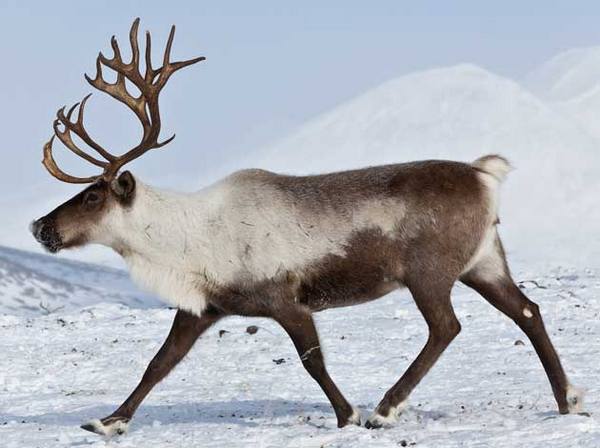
[(53, 247), (45, 233)]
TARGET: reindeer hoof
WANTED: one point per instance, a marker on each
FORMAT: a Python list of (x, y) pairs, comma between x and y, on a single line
[(372, 425), (354, 419), (377, 420), (574, 400), (109, 427)]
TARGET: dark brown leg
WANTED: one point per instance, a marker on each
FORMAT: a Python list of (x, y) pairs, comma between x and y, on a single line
[(299, 325), (434, 303), (504, 295), (185, 331)]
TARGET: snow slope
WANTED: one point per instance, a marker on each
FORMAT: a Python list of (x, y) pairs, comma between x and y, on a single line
[(584, 108), (33, 284), (61, 370), (461, 113), (567, 75), (570, 82)]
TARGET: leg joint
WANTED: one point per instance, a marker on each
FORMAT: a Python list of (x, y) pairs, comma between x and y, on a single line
[(445, 331), (155, 365), (529, 314), (312, 360)]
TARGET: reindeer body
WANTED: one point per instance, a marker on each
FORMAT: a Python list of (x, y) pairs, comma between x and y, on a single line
[(346, 237)]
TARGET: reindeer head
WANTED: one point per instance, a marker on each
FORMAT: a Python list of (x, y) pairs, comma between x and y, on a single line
[(79, 220)]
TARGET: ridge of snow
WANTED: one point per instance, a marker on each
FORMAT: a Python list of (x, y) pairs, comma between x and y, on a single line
[(39, 284)]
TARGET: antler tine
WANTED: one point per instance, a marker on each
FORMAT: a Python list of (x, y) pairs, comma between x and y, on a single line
[(116, 51), (178, 65), (70, 112), (133, 40), (166, 142), (50, 164), (150, 72), (167, 55), (98, 78)]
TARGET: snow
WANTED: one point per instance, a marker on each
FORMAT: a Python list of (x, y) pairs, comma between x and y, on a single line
[(584, 108), (76, 338), (33, 284), (570, 82), (75, 365), (566, 75)]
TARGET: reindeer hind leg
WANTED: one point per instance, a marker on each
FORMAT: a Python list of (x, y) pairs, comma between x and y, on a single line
[(433, 300), (490, 277)]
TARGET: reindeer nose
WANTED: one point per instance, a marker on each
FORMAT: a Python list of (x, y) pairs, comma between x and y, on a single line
[(44, 231), (39, 230), (34, 228)]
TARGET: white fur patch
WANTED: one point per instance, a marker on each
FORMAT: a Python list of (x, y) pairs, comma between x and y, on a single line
[(494, 165), (527, 313), (492, 185), (117, 428), (575, 399), (378, 420), (178, 287), (355, 417), (487, 259)]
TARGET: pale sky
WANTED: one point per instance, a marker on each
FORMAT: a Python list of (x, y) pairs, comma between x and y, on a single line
[(270, 66)]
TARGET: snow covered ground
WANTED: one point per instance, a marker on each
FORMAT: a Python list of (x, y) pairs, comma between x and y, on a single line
[(60, 370)]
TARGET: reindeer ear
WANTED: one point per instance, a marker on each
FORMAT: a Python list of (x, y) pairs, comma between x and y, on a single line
[(124, 186)]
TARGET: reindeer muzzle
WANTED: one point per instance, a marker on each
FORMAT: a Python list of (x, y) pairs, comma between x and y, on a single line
[(45, 233)]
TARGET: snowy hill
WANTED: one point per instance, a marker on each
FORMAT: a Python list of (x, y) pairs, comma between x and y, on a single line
[(570, 81), (567, 75), (585, 109), (461, 113), (38, 284)]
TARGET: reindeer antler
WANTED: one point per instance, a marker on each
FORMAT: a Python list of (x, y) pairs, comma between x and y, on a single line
[(145, 107)]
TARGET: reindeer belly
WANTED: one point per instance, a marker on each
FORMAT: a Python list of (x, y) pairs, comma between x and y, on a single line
[(370, 268), (335, 289)]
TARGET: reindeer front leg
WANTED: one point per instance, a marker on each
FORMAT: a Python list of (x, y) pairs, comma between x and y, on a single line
[(185, 331), (300, 326)]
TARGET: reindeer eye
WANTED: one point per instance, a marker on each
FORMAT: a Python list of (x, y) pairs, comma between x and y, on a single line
[(92, 198)]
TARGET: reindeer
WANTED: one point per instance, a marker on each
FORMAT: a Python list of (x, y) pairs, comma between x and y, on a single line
[(263, 244)]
